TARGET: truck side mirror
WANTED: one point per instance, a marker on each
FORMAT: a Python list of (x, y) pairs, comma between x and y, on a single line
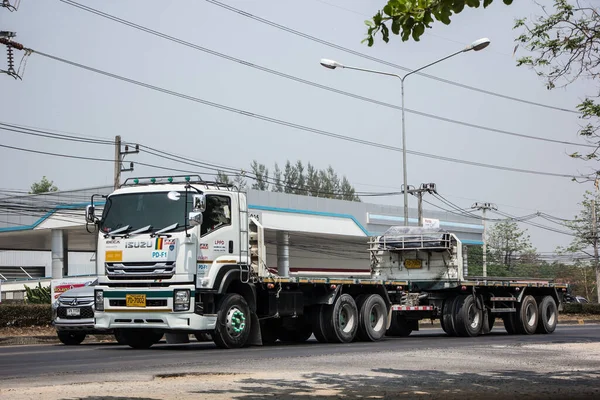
[(90, 215), (198, 203), (195, 218)]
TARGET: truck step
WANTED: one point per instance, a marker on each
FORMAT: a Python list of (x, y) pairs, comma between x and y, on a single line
[(510, 298), (502, 310), (412, 308)]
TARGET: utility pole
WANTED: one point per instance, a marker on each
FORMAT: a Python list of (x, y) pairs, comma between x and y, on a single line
[(484, 207), (424, 188), (595, 237), (119, 156)]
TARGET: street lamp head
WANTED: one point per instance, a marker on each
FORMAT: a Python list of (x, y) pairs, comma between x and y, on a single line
[(330, 63), (479, 44)]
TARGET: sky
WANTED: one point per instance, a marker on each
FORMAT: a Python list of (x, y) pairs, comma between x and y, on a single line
[(62, 98)]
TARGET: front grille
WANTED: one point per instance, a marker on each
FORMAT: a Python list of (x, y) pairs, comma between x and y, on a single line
[(75, 301), (84, 312), (140, 270), (149, 303)]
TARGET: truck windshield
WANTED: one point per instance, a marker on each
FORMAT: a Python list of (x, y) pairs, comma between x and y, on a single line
[(158, 209)]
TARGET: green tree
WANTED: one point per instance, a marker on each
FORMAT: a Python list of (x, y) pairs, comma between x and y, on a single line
[(222, 177), (43, 186), (261, 176), (410, 17), (507, 242), (585, 229), (277, 185)]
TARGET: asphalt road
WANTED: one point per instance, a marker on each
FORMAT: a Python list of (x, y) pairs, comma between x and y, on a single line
[(565, 363)]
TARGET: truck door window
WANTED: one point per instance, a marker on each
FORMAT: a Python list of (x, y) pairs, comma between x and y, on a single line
[(217, 213)]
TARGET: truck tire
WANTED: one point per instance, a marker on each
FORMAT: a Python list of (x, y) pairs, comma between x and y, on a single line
[(510, 323), (119, 337), (141, 338), (548, 315), (527, 316), (399, 326), (269, 329), (469, 316), (203, 337), (296, 331), (233, 322), (71, 338), (372, 318), (448, 316), (317, 321), (341, 320)]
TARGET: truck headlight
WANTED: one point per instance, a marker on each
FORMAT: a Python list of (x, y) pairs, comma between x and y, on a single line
[(181, 299), (99, 299)]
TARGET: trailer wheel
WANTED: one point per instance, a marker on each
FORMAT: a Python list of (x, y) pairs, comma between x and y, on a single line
[(141, 338), (298, 330), (317, 321), (233, 322), (548, 315), (70, 338), (448, 316), (372, 318), (510, 323), (527, 316), (469, 316), (341, 320), (399, 326)]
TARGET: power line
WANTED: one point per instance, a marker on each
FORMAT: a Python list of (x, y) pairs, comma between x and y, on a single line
[(307, 82), (298, 126), (179, 159), (371, 58)]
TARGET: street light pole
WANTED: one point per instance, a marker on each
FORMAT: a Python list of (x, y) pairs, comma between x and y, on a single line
[(476, 46)]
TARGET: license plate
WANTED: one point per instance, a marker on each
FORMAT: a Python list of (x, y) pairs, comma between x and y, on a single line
[(412, 264), (73, 312), (135, 300)]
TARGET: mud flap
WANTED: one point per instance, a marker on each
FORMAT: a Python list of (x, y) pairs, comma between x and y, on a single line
[(177, 338), (255, 338), (485, 329)]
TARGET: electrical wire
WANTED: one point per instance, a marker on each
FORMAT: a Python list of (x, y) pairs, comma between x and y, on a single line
[(378, 60), (304, 81), (299, 126)]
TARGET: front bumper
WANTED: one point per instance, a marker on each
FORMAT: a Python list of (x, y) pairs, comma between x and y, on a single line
[(158, 314), (80, 325), (167, 321)]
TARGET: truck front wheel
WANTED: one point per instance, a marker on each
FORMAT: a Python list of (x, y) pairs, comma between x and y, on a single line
[(140, 338), (233, 322), (71, 338)]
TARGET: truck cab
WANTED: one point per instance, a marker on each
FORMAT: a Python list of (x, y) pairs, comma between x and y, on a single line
[(166, 248)]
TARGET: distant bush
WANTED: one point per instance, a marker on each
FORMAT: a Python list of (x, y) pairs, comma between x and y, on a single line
[(24, 315), (581, 308)]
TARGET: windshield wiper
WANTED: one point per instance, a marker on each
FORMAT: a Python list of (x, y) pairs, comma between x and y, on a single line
[(163, 231), (118, 232), (140, 230)]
